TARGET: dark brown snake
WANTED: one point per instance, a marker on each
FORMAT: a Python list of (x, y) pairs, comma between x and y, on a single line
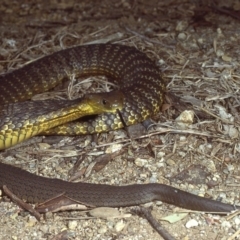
[(141, 83)]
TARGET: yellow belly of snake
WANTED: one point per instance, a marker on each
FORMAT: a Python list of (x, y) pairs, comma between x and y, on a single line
[(139, 80)]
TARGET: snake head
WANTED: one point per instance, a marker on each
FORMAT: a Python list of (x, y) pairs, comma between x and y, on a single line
[(105, 102)]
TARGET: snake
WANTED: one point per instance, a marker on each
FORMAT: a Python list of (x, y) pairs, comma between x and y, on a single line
[(141, 90)]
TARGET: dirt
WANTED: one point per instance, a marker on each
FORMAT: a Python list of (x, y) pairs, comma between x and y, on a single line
[(196, 45)]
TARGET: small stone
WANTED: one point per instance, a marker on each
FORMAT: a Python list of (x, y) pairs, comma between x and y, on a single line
[(159, 203), (185, 119), (140, 162), (225, 171), (230, 167), (3, 52), (153, 178), (113, 148), (210, 165), (104, 212), (170, 162), (182, 36), (227, 159), (182, 138), (219, 53), (161, 154), (219, 30), (143, 175), (226, 58), (191, 223), (182, 154), (44, 146), (119, 226), (226, 224), (31, 222), (72, 224), (45, 229), (233, 132), (161, 164), (102, 229), (237, 221), (161, 62), (237, 147), (222, 195), (200, 41), (49, 215), (14, 215)]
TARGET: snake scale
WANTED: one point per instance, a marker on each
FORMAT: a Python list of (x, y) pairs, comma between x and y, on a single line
[(140, 82)]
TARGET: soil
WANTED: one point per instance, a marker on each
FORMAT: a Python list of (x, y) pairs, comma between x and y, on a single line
[(196, 45)]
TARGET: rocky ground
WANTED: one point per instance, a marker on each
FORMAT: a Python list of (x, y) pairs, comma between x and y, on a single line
[(196, 45)]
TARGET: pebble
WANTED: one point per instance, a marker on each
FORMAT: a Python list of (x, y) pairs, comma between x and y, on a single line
[(182, 138), (219, 31), (102, 229), (140, 162), (200, 41), (226, 58), (32, 221), (225, 171), (143, 175), (44, 146), (182, 154), (170, 162), (119, 226), (210, 164), (72, 224), (153, 178), (113, 148), (185, 119), (230, 167), (161, 164), (161, 154), (222, 195), (237, 221), (105, 212), (237, 147), (191, 223), (219, 53), (227, 159), (159, 203), (226, 224), (232, 131), (182, 36), (45, 229)]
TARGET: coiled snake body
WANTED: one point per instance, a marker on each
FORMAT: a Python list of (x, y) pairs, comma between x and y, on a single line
[(140, 83)]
